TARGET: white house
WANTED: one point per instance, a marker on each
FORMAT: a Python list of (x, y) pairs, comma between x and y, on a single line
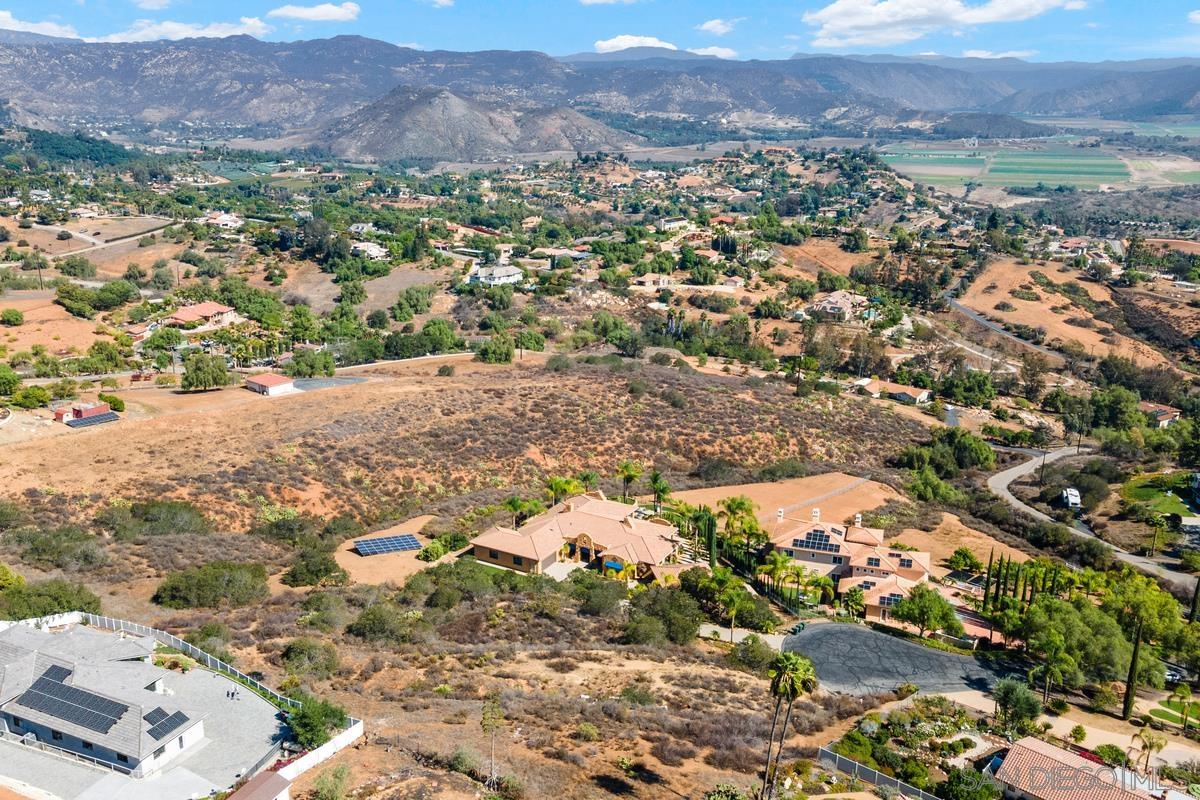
[(270, 384), (95, 695), (499, 275), (370, 250), (672, 224)]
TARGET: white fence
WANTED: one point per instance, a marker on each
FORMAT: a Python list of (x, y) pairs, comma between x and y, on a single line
[(832, 760), (324, 752), (352, 733)]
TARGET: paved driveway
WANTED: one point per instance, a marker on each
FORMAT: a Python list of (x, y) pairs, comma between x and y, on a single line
[(854, 659)]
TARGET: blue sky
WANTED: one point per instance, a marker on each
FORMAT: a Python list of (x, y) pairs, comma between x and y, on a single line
[(1040, 30)]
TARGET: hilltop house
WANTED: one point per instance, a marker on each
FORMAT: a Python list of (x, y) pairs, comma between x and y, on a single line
[(839, 306), (588, 529), (370, 251), (1162, 416), (207, 314), (95, 695), (221, 219), (500, 275), (911, 395), (853, 556), (1037, 770)]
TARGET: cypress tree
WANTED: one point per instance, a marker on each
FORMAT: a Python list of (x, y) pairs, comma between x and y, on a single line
[(987, 581)]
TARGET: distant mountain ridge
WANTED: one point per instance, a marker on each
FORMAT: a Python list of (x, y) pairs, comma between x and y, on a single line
[(327, 90)]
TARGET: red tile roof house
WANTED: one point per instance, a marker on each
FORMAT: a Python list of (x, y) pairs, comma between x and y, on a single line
[(1037, 770), (588, 529), (207, 314), (896, 391), (1163, 416), (854, 556)]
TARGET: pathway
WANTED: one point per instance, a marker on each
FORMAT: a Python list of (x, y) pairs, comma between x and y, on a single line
[(999, 485)]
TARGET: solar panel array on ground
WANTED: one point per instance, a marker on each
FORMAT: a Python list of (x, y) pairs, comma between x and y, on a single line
[(387, 544), (99, 419)]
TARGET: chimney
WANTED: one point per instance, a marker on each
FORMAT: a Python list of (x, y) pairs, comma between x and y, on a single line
[(816, 515), (858, 520), (779, 515)]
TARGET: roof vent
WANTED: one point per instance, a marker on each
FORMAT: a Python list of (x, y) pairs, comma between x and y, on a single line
[(858, 520), (816, 515), (779, 515)]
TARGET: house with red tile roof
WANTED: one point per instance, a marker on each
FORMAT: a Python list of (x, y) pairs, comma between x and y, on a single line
[(1162, 416), (207, 314), (1037, 770), (588, 529)]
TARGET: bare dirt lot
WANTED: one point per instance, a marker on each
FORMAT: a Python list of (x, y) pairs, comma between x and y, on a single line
[(952, 534), (1063, 319), (389, 567), (316, 288), (838, 496), (45, 324), (822, 255)]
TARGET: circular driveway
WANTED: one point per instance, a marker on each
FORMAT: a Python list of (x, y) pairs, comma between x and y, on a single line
[(853, 659)]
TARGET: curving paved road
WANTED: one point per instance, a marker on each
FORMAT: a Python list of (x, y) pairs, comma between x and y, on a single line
[(1000, 482), (853, 659)]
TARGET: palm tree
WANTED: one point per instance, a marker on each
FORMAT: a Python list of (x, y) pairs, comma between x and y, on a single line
[(800, 576), (791, 676), (774, 567), (1182, 694), (733, 600), (588, 479), (560, 488), (854, 601), (516, 505), (1159, 523), (628, 471), (1057, 665), (660, 488), (823, 584), (738, 513), (1148, 743)]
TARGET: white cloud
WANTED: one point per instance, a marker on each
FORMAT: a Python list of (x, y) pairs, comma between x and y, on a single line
[(1194, 17), (440, 3), (719, 27), (627, 40), (411, 45), (148, 30), (854, 23), (9, 22), (325, 12), (152, 5), (719, 52), (1004, 54)]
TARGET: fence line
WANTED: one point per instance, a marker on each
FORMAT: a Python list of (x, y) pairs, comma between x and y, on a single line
[(873, 777), (66, 755), (215, 664)]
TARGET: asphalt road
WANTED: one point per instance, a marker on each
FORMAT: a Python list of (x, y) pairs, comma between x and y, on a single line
[(854, 659), (1000, 482)]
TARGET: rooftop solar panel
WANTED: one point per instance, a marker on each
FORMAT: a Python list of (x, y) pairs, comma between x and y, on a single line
[(56, 673), (168, 726), (387, 544), (73, 705), (156, 716)]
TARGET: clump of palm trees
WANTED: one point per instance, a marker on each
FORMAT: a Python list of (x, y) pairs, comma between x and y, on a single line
[(792, 675)]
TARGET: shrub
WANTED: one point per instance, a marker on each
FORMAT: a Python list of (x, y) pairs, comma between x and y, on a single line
[(25, 601), (1112, 755), (311, 725), (212, 585), (587, 732), (68, 549), (558, 363), (314, 568), (642, 629), (753, 654), (637, 695), (11, 317), (310, 657), (384, 622), (114, 402), (1078, 734), (445, 371)]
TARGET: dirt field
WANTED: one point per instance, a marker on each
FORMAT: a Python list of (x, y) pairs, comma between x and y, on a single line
[(111, 261), (306, 280), (389, 567), (1182, 245), (952, 534), (817, 255), (46, 324), (1053, 310), (837, 495), (42, 240), (379, 449)]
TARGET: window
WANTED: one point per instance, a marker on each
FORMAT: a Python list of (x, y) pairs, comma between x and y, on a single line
[(493, 555), (16, 722), (838, 560), (518, 561), (180, 742), (866, 586), (872, 562), (56, 735), (790, 553), (158, 753), (122, 759), (86, 745), (906, 563), (890, 600)]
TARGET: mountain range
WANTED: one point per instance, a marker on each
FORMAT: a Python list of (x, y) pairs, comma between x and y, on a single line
[(370, 99)]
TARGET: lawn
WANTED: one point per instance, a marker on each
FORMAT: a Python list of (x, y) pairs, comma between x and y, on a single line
[(1160, 492), (1172, 711)]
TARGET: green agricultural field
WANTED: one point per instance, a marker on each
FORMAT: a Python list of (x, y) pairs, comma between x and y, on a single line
[(999, 166)]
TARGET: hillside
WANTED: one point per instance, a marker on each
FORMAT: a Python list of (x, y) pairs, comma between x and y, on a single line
[(437, 123)]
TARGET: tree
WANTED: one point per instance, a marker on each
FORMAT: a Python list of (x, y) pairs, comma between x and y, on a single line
[(705, 522), (560, 488), (499, 349), (774, 568), (203, 372), (738, 513), (628, 471), (1016, 705), (963, 559), (312, 724), (733, 600), (659, 488), (792, 675), (854, 601), (1033, 375), (1147, 743), (927, 610), (1057, 664), (1182, 694), (962, 784), (491, 721), (1146, 613), (10, 382)]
